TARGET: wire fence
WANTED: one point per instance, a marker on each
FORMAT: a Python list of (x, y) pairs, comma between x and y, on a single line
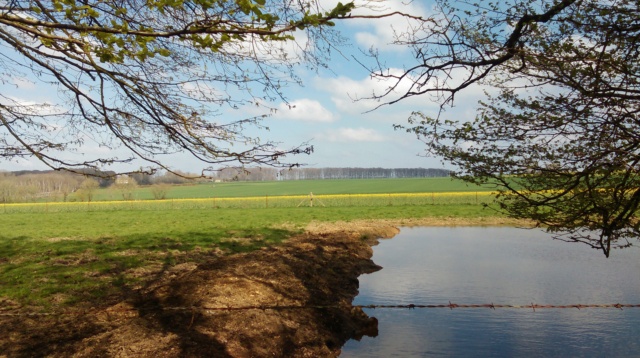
[(205, 309), (267, 201)]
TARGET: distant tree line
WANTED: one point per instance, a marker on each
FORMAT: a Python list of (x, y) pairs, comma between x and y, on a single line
[(28, 186), (264, 174), (33, 185), (361, 173)]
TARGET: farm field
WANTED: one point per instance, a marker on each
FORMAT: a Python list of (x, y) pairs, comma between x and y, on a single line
[(304, 187), (245, 195)]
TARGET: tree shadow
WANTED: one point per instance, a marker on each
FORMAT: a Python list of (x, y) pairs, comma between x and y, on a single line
[(180, 311)]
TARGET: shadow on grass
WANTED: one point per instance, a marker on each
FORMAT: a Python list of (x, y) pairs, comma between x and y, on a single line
[(308, 272)]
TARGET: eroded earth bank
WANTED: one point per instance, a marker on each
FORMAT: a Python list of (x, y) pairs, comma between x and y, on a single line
[(290, 300)]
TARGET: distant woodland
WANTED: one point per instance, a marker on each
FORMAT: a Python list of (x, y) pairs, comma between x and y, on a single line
[(264, 174)]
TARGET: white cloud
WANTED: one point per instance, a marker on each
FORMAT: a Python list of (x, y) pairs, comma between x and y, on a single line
[(30, 107), (305, 110), (356, 96), (381, 33), (352, 135)]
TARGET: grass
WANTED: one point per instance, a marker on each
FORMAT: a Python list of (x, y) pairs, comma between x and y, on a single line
[(303, 187), (94, 255), (288, 201), (87, 256)]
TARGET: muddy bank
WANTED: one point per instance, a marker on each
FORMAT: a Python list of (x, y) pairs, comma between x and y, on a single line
[(292, 300)]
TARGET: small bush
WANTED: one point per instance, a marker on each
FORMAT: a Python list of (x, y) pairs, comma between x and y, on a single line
[(160, 191)]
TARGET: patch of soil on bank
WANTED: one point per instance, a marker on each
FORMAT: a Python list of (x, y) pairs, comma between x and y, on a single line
[(291, 300)]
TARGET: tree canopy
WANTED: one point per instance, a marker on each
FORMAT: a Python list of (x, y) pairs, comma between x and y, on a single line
[(151, 77), (559, 130)]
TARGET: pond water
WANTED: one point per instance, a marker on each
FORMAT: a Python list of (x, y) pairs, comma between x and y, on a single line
[(500, 266)]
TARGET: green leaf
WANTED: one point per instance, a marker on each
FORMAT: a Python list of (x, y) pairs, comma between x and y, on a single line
[(163, 52)]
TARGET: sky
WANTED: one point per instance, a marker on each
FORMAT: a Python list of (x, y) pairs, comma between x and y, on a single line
[(344, 132)]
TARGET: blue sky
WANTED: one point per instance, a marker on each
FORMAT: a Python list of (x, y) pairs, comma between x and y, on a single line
[(344, 132), (352, 133)]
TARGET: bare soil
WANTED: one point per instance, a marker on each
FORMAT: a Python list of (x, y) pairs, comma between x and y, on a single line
[(291, 300)]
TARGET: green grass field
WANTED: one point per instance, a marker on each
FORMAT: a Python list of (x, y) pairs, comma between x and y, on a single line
[(89, 256), (303, 187)]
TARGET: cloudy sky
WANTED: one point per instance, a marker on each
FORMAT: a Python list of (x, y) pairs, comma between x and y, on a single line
[(346, 132), (324, 112)]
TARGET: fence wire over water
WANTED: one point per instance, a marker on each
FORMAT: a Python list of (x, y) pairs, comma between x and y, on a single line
[(201, 310), (291, 201)]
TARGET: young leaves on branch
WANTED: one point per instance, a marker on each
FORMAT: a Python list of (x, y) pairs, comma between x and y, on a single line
[(559, 134), (150, 77)]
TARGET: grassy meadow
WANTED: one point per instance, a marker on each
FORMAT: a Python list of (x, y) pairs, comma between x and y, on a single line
[(254, 195), (303, 187), (92, 253)]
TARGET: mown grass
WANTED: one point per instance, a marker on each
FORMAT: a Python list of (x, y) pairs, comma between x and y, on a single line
[(87, 256)]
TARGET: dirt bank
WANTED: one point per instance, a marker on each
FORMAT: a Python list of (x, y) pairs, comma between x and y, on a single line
[(235, 306)]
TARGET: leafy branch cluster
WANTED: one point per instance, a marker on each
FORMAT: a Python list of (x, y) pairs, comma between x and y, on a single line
[(150, 77), (558, 132)]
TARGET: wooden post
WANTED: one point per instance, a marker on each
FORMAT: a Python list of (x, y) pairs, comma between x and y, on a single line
[(311, 199)]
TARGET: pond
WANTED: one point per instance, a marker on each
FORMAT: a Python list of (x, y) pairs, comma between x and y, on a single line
[(509, 266)]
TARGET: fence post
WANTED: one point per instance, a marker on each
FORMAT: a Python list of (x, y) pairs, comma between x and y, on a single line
[(266, 201)]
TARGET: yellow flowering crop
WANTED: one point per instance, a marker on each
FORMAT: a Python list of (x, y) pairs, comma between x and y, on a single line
[(266, 201)]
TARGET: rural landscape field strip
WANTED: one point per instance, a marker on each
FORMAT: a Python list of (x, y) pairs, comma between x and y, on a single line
[(266, 201)]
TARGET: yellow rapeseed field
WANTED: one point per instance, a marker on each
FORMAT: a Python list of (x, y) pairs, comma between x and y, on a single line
[(333, 200)]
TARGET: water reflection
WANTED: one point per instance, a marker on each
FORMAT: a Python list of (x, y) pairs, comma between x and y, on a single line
[(501, 266)]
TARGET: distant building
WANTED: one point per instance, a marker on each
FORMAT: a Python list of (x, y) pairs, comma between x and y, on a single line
[(122, 179)]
